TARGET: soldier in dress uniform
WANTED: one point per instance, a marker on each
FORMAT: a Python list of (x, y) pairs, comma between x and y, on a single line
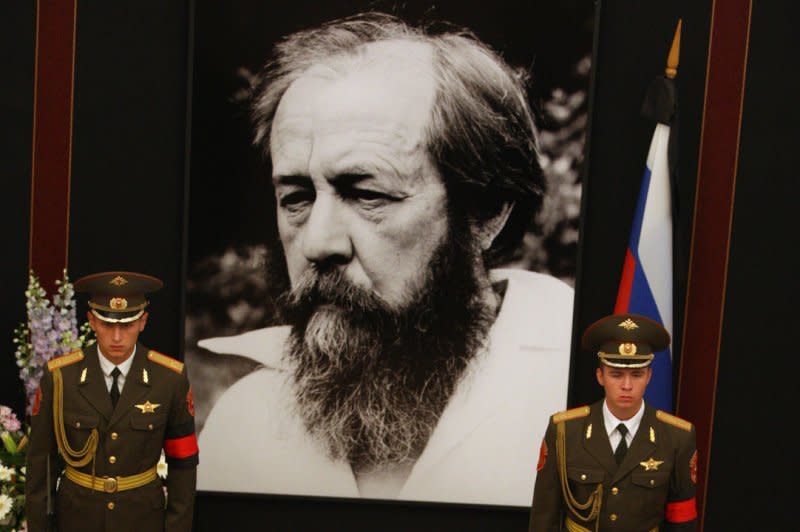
[(101, 419), (618, 464)]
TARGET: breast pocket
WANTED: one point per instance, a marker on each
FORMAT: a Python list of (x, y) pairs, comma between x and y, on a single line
[(584, 481), (148, 431), (78, 427), (653, 487), (147, 422)]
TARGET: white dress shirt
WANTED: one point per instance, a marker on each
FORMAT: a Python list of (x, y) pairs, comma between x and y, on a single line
[(612, 422), (107, 367)]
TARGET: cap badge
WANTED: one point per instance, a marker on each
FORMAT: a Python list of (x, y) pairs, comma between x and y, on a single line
[(118, 281), (627, 349), (118, 303), (629, 325), (651, 465)]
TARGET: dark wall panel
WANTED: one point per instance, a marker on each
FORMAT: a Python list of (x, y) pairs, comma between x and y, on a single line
[(634, 39), (242, 512), (17, 57), (752, 456), (129, 149)]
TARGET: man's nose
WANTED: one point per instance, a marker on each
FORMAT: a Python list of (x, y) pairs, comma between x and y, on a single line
[(116, 332), (325, 237), (626, 382)]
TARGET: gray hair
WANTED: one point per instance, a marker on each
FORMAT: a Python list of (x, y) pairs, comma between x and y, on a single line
[(481, 135)]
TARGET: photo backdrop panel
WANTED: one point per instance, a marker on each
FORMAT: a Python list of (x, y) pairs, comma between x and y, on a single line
[(231, 207)]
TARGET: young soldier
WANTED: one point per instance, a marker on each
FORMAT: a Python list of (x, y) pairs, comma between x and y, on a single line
[(618, 464), (101, 419)]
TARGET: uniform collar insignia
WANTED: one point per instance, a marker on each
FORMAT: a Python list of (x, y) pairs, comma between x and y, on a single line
[(147, 407), (651, 465)]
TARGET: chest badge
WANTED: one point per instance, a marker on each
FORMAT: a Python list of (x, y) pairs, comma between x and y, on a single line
[(149, 408), (651, 465)]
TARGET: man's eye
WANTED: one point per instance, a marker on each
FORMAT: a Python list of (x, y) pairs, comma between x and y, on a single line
[(296, 199), (367, 196)]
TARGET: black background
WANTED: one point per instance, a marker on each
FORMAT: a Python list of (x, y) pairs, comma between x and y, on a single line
[(17, 57)]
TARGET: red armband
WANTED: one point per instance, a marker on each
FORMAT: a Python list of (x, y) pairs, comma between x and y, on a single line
[(181, 447), (681, 511)]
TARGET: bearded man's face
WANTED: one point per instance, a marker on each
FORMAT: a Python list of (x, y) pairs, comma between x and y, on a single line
[(373, 379), (385, 302)]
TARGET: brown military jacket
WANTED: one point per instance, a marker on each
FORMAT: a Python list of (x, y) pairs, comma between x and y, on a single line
[(652, 489), (130, 441)]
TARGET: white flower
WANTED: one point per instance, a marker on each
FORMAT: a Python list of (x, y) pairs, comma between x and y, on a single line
[(6, 503), (6, 473), (162, 467)]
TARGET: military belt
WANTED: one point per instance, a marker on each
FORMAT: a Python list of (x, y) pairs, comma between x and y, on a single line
[(572, 526), (111, 484)]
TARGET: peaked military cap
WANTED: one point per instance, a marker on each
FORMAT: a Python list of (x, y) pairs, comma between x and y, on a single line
[(118, 297), (625, 340)]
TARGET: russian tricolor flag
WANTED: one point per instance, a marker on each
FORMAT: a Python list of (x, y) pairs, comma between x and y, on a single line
[(646, 285)]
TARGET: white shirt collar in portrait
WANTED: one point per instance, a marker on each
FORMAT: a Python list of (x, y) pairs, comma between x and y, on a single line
[(483, 450)]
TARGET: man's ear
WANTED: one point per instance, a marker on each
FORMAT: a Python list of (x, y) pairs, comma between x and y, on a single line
[(487, 230)]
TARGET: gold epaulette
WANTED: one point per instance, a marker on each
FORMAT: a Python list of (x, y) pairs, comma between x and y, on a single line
[(675, 421), (164, 360), (573, 413), (65, 360)]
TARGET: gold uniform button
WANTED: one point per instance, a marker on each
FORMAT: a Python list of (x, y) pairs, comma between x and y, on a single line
[(614, 490), (77, 424), (150, 426), (652, 482), (111, 506), (583, 477), (112, 459), (114, 435), (613, 517)]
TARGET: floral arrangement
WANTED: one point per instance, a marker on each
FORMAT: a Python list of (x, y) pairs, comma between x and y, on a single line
[(51, 330), (12, 472)]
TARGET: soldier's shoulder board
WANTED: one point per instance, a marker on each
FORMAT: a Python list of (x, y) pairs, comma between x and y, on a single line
[(573, 413), (675, 421), (163, 360), (64, 360)]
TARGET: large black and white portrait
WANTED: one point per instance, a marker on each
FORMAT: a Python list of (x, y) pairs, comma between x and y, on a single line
[(383, 226)]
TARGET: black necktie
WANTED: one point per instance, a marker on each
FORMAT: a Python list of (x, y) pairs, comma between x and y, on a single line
[(622, 448), (114, 388)]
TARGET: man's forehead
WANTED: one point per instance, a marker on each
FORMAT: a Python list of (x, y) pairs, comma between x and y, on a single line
[(382, 96)]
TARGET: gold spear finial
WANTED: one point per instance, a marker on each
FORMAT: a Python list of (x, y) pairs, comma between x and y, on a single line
[(672, 60)]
